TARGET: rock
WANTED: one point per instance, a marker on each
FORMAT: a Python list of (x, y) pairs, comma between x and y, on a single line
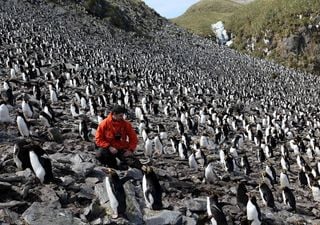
[(55, 135), (86, 191), (295, 43), (162, 217), (91, 180), (67, 180), (83, 169), (94, 212), (196, 205), (9, 217), (188, 220), (136, 174), (49, 195), (43, 213), (101, 193), (134, 212)]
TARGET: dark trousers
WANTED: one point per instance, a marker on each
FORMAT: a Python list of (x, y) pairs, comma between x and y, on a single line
[(105, 157)]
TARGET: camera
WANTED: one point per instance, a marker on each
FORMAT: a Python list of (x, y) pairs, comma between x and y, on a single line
[(117, 136)]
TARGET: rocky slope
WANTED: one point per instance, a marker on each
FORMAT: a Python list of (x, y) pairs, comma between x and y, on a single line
[(188, 78)]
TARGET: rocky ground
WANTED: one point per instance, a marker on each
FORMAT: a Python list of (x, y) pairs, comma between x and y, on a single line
[(187, 77)]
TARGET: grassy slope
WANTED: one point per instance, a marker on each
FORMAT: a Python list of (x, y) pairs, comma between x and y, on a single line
[(201, 15), (276, 19)]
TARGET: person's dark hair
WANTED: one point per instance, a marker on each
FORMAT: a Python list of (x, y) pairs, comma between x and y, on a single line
[(117, 109)]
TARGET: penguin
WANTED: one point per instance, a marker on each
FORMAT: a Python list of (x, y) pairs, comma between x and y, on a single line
[(266, 195), (301, 161), (74, 110), (158, 146), (151, 188), (32, 156), (174, 144), (253, 211), (162, 132), (200, 157), (210, 174), (289, 199), (180, 127), (4, 113), (45, 119), (27, 109), (242, 197), (116, 194), (214, 211), (8, 97), (49, 111), (148, 148), (183, 151), (245, 165), (303, 180), (144, 134), (83, 130), (41, 166), (271, 172), (192, 161), (260, 155), (23, 125), (284, 179), (230, 164), (285, 163)]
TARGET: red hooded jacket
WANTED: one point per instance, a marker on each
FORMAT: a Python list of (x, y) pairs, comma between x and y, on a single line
[(108, 128)]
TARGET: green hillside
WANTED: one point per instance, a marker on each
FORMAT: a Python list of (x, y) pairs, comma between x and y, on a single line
[(201, 15), (287, 31)]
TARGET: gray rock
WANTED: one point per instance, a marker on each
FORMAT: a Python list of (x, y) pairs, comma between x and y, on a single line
[(134, 212), (55, 135), (101, 193), (43, 213), (162, 217), (83, 169), (49, 195), (94, 211), (86, 191), (188, 220), (10, 217), (135, 174), (196, 205), (91, 180)]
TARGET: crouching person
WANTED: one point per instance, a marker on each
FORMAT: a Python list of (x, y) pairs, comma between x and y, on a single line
[(116, 138)]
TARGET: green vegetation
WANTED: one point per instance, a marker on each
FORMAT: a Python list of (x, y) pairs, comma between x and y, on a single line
[(285, 24), (278, 16), (201, 15)]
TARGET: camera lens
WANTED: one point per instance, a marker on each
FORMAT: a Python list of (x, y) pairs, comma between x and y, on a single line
[(117, 136)]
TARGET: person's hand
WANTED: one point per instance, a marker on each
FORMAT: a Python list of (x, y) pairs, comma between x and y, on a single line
[(113, 150), (127, 153)]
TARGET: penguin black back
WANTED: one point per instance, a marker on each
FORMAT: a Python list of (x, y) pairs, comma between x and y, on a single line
[(116, 192), (151, 188), (242, 197), (288, 198), (266, 195)]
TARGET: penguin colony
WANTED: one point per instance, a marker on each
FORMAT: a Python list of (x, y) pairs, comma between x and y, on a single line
[(210, 120)]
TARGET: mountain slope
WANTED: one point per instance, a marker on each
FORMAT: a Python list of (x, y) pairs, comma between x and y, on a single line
[(287, 31), (283, 30), (201, 15)]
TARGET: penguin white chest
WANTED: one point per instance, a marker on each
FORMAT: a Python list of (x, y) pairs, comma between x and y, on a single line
[(112, 198), (147, 196), (36, 166)]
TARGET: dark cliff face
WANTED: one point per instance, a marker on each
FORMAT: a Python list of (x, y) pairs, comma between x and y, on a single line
[(128, 15)]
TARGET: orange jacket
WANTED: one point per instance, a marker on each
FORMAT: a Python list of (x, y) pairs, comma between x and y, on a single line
[(108, 128)]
